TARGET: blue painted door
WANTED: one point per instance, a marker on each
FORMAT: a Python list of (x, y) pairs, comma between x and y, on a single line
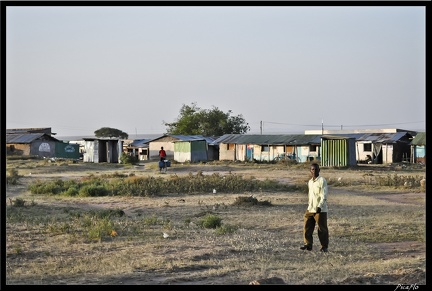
[(249, 152)]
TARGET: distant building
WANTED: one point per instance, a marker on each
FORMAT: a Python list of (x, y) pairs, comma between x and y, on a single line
[(99, 150), (418, 148), (39, 144), (138, 148), (188, 147), (268, 147)]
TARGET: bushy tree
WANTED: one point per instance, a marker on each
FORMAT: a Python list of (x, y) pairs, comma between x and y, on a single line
[(211, 122), (110, 132)]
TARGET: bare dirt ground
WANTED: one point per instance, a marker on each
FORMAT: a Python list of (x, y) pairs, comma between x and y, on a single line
[(408, 248), (388, 250)]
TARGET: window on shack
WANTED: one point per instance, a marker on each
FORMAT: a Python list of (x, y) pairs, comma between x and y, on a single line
[(367, 147)]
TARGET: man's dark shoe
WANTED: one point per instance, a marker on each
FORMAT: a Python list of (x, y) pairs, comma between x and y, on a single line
[(324, 250), (306, 247)]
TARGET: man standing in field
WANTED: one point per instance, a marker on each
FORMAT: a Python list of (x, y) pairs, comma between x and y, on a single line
[(316, 213)]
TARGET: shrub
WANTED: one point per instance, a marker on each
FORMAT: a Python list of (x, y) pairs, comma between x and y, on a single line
[(12, 177), (210, 221), (72, 191), (52, 187), (18, 202), (250, 201), (128, 159), (93, 191)]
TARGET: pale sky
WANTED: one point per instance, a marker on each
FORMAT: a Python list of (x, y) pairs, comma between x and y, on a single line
[(294, 68)]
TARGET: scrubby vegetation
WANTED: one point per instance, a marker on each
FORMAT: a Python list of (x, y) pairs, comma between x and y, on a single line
[(135, 226), (124, 185), (121, 185), (12, 177)]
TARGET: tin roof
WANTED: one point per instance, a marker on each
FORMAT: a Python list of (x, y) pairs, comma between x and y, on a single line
[(101, 138), (270, 139), (419, 139), (26, 137), (341, 136), (180, 137), (383, 137), (140, 143), (302, 139), (46, 130), (356, 136), (375, 137)]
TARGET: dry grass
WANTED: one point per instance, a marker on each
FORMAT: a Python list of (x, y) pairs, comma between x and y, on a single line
[(377, 234)]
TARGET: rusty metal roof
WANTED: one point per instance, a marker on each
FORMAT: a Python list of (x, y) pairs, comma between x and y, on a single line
[(26, 137), (419, 139), (270, 139)]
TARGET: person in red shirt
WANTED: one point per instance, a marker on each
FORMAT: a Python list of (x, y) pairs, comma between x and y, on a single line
[(162, 154)]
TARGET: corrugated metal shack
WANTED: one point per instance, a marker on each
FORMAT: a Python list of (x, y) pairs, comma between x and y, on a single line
[(418, 148), (193, 149), (338, 151), (380, 148), (138, 148), (99, 150), (168, 142), (386, 148), (39, 144), (30, 144), (248, 147)]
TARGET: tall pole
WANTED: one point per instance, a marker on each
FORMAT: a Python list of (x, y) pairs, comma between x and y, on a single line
[(322, 126), (261, 126)]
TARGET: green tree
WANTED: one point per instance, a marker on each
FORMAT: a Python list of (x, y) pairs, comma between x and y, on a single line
[(211, 122), (110, 132)]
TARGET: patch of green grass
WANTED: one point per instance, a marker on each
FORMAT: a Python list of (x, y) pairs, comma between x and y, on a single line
[(210, 221)]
